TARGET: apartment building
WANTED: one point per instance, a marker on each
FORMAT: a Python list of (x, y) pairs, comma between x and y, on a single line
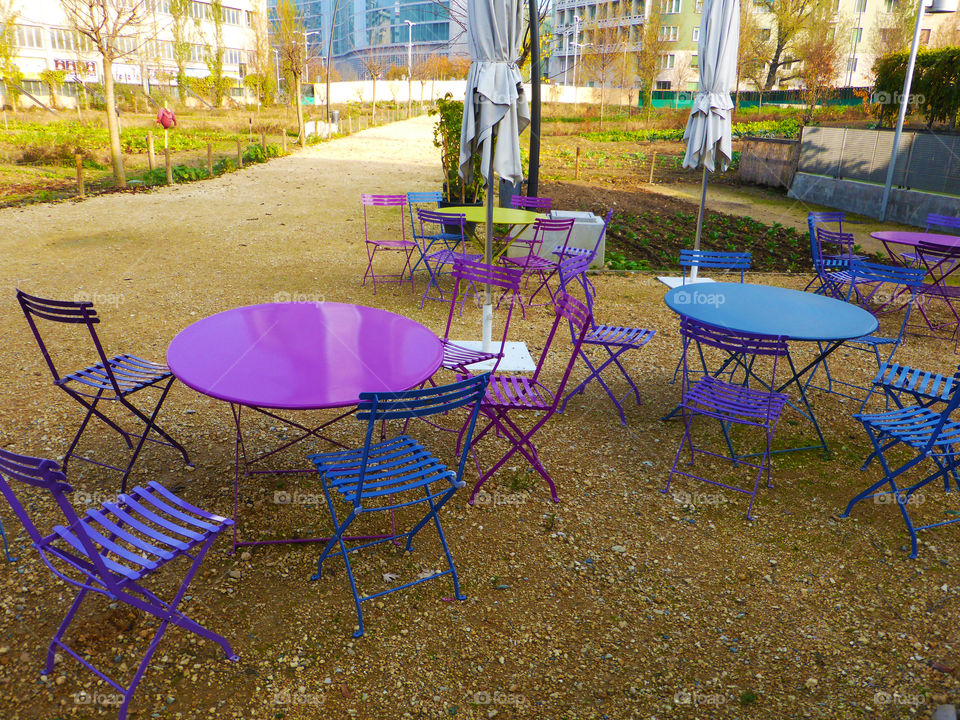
[(578, 27), (45, 41)]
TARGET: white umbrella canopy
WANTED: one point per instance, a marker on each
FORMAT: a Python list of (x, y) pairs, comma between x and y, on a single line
[(495, 107), (708, 133)]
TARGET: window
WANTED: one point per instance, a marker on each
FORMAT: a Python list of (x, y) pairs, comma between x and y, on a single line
[(197, 53), (925, 36), (857, 36), (670, 33), (163, 49), (249, 18), (231, 56), (663, 85), (29, 36), (696, 33), (231, 16), (61, 39), (126, 45), (159, 6), (698, 7), (34, 87), (667, 61), (694, 61), (851, 64), (860, 6), (199, 11), (889, 5), (669, 7)]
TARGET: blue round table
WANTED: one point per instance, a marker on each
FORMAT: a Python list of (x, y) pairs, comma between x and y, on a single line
[(768, 310)]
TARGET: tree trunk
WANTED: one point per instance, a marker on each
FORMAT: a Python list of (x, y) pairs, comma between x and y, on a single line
[(774, 68), (300, 125), (601, 106), (373, 116), (113, 127)]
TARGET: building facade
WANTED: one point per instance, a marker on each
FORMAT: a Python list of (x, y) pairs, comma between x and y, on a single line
[(579, 27), (370, 36), (45, 41)]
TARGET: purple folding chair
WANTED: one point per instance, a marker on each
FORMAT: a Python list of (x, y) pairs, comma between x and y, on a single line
[(730, 404), (935, 223), (565, 251), (112, 379), (111, 549), (940, 263), (554, 232), (537, 204), (440, 226), (614, 339), (478, 274), (832, 258), (388, 244), (507, 395)]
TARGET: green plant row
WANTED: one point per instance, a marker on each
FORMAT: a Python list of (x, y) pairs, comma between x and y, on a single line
[(83, 138), (191, 173), (785, 128)]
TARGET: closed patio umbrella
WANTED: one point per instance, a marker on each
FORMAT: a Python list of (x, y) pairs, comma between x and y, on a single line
[(708, 133), (495, 109)]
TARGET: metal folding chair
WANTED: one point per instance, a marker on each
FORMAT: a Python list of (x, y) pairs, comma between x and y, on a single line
[(436, 227), (927, 434), (714, 260), (728, 403), (938, 224), (390, 243), (476, 274), (394, 474), (940, 262), (614, 339), (553, 232), (429, 200), (813, 220), (833, 254), (904, 283), (113, 380), (565, 251), (111, 549), (509, 395), (537, 204)]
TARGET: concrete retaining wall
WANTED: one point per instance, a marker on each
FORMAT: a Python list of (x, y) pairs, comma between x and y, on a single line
[(909, 207)]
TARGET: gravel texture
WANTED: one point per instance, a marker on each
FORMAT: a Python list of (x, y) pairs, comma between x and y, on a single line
[(619, 602)]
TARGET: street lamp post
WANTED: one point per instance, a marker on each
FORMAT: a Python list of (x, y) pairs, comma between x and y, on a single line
[(566, 53), (936, 7), (276, 55), (410, 25), (576, 44)]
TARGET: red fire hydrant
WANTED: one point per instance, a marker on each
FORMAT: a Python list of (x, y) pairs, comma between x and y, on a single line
[(166, 118)]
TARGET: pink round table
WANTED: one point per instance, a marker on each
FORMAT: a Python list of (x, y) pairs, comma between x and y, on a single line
[(299, 356), (303, 356)]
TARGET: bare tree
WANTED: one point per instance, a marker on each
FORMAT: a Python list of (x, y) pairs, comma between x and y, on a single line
[(110, 26), (288, 32), (261, 58), (375, 64), (948, 34), (649, 57), (790, 18), (823, 48), (755, 48), (682, 75), (213, 55), (604, 60)]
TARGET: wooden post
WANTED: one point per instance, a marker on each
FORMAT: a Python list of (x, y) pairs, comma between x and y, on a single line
[(350, 119), (576, 173), (151, 159), (653, 164), (166, 157), (251, 128), (80, 192), (283, 141), (210, 159), (239, 155), (263, 142)]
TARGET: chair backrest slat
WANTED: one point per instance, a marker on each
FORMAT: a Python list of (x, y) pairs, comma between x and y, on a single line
[(716, 259), (525, 202), (731, 340), (943, 222), (368, 200), (430, 197), (935, 250)]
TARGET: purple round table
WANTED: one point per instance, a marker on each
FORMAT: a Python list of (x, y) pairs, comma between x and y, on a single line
[(299, 356), (303, 356), (912, 239)]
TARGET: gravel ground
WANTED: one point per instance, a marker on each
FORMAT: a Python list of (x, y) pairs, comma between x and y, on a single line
[(619, 602)]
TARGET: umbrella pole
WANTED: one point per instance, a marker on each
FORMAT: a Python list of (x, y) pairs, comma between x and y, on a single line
[(488, 254), (703, 205)]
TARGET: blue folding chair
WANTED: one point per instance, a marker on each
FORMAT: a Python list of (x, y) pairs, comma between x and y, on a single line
[(714, 260), (429, 200), (396, 473), (930, 434), (814, 219), (905, 282)]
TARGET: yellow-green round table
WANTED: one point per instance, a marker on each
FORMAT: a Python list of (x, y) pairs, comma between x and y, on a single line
[(517, 220)]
